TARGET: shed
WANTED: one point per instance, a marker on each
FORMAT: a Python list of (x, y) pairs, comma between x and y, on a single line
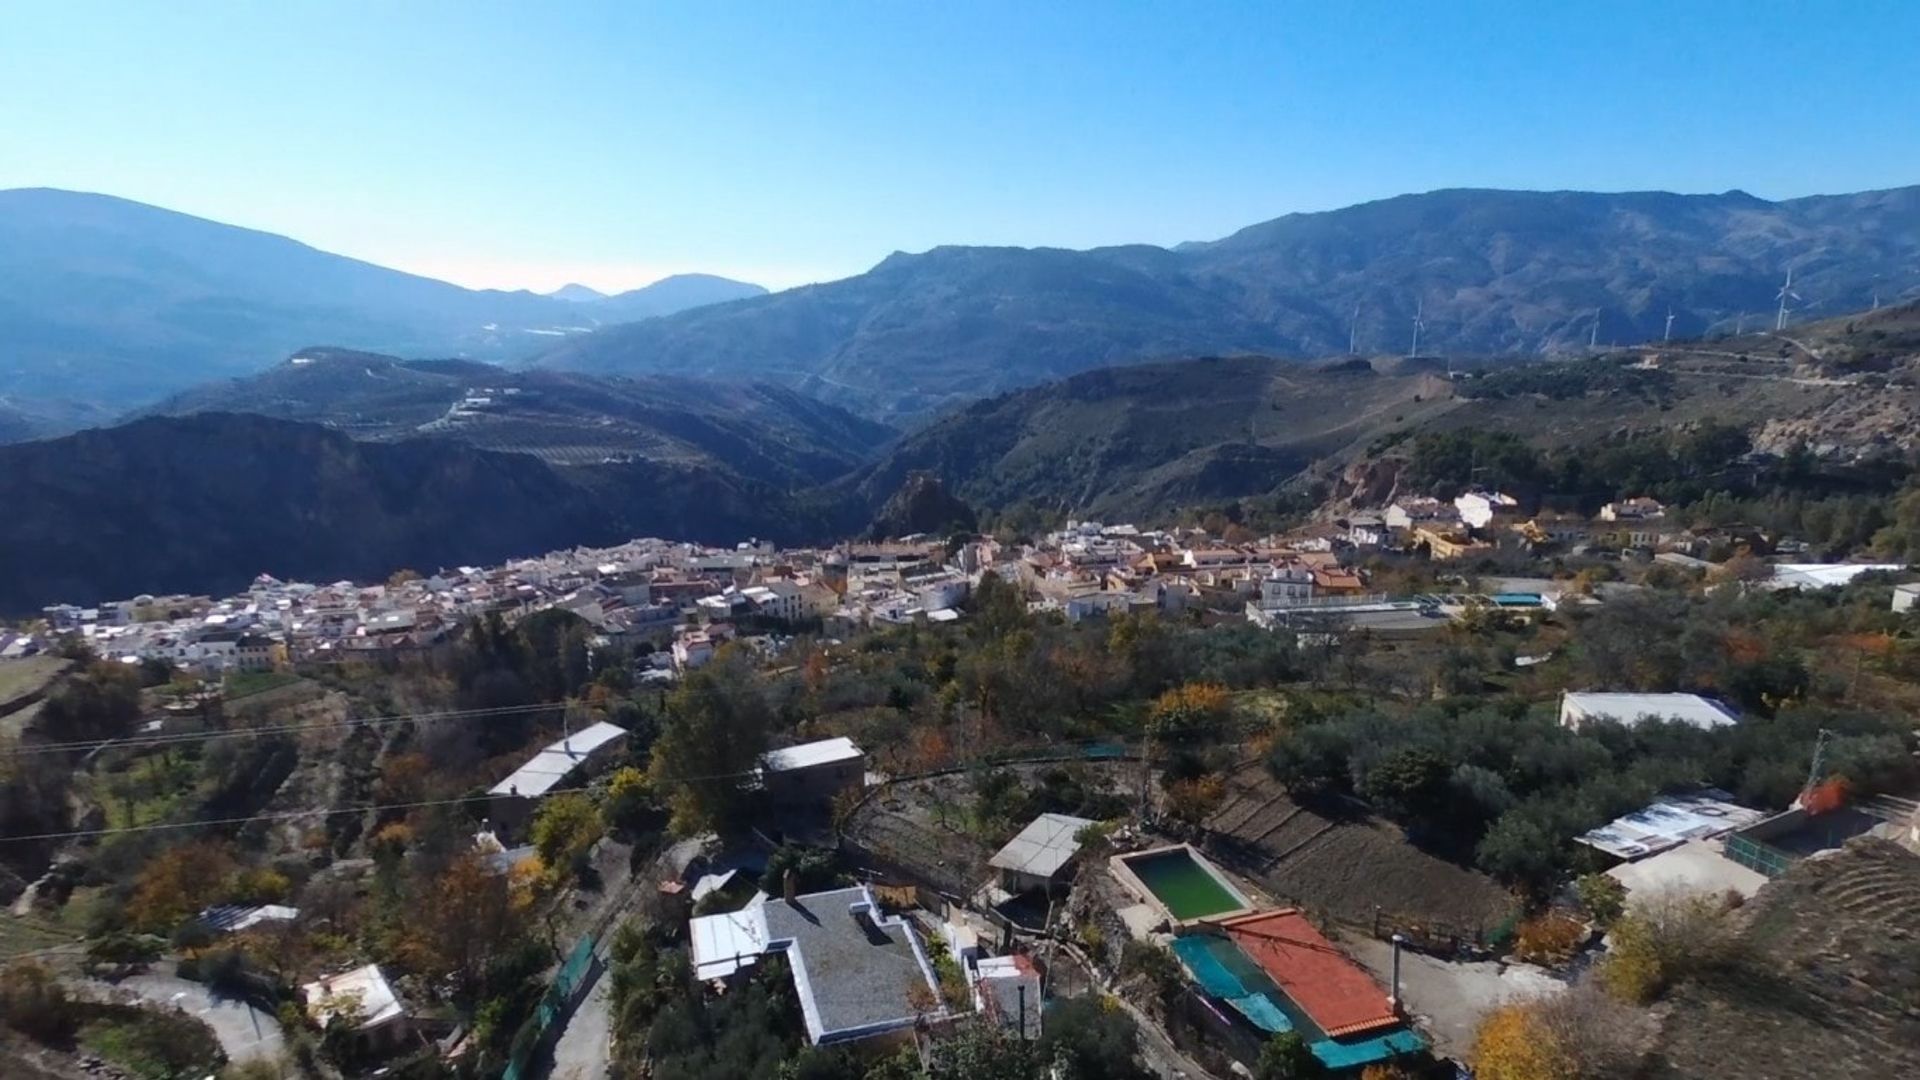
[(813, 773), (1036, 859)]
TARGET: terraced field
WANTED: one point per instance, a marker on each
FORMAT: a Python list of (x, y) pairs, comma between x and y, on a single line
[(1831, 987), (1344, 869)]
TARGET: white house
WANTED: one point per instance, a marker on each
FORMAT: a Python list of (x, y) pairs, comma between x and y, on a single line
[(1479, 508), (1419, 510), (1287, 583), (1639, 508), (364, 998), (1578, 709), (692, 650), (777, 599), (1906, 597), (1366, 530)]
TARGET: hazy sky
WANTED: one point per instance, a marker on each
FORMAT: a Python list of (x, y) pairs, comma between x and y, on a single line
[(528, 145)]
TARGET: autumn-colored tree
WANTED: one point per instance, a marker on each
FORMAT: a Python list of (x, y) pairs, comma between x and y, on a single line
[(404, 779), (1512, 1044), (467, 916), (1194, 801), (1192, 711), (564, 830), (1549, 939), (33, 1002), (628, 796), (1665, 939), (177, 883), (930, 749), (814, 670), (259, 885)]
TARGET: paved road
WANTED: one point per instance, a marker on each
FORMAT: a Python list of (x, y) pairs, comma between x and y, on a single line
[(581, 1052), (1451, 998), (245, 1032)]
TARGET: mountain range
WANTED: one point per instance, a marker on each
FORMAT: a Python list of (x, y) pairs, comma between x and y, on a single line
[(107, 303), (1485, 272), (370, 478)]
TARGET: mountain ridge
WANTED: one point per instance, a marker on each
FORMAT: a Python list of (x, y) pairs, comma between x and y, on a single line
[(1488, 271), (108, 302)]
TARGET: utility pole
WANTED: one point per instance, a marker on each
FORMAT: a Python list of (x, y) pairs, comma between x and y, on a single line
[(1819, 757)]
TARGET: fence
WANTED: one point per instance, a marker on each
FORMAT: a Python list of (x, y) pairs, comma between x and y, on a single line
[(1756, 856), (575, 974)]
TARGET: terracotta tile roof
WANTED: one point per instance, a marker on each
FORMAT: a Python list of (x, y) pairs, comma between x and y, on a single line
[(1339, 997)]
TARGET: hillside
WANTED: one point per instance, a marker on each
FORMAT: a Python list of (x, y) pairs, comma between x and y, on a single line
[(114, 303), (204, 503), (1834, 971), (1135, 440), (1491, 272), (760, 431), (1143, 440)]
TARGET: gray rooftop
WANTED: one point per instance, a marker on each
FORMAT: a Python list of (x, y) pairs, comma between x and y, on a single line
[(852, 966), (1043, 847)]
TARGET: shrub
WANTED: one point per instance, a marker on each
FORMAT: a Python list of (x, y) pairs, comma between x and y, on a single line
[(1603, 897), (1667, 939), (33, 1002), (1550, 939)]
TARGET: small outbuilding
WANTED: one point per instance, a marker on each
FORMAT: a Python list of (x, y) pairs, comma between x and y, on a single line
[(1039, 858), (364, 998), (812, 774), (1579, 709), (569, 761)]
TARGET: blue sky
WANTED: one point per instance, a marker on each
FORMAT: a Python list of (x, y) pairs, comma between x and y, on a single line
[(527, 145)]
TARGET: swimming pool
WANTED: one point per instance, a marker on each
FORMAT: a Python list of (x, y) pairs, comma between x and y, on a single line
[(1181, 882)]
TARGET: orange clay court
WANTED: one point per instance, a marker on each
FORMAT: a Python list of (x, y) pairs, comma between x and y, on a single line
[(1339, 997)]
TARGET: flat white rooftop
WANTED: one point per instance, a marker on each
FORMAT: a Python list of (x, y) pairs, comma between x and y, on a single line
[(1630, 709), (546, 769), (1043, 847), (365, 990), (807, 755), (1822, 575)]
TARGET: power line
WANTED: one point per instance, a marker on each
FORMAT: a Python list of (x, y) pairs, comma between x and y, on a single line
[(292, 815)]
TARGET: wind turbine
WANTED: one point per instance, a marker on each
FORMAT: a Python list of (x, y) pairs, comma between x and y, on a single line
[(1419, 324), (1668, 334), (1786, 294), (1353, 333), (1593, 334)]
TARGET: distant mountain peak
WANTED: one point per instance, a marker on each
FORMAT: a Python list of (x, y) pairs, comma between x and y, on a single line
[(574, 292)]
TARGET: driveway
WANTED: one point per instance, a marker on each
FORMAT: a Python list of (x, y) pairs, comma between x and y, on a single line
[(581, 1052), (1451, 998), (245, 1032)]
